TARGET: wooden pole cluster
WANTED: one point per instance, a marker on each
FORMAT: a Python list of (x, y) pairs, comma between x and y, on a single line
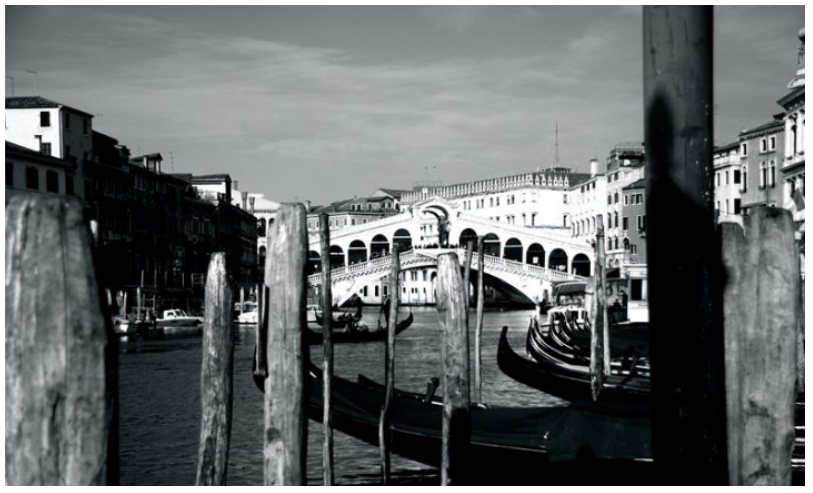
[(216, 376), (761, 309), (327, 341), (478, 332), (455, 357), (686, 351), (384, 434), (285, 434), (61, 358), (599, 336)]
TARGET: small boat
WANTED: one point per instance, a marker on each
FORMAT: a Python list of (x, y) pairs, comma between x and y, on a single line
[(176, 317), (249, 317), (124, 326), (346, 335), (343, 318)]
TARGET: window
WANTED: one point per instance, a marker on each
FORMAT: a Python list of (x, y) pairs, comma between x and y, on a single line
[(772, 174), (32, 178), (727, 210), (375, 290), (9, 174), (744, 187), (45, 148), (772, 145), (45, 118), (615, 198), (491, 201), (626, 200), (736, 177), (637, 289), (717, 179), (744, 149), (626, 223), (641, 223), (52, 181), (609, 199), (763, 174), (726, 177), (737, 206), (763, 145)]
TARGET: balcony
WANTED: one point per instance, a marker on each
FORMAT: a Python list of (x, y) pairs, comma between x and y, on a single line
[(793, 160)]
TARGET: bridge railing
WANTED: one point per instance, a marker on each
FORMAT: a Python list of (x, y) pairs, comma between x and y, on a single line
[(562, 239), (530, 268), (370, 266)]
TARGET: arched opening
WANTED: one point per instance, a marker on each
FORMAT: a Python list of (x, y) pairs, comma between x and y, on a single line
[(402, 239), (261, 227), (491, 245), (581, 265), (314, 265), (336, 257), (357, 252), (513, 250), (535, 255), (467, 235), (558, 260), (379, 246)]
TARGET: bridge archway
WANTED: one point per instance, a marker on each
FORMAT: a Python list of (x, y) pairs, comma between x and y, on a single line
[(581, 265), (442, 216), (558, 260), (513, 250), (535, 255), (336, 256), (467, 235), (314, 264), (402, 239), (379, 246), (491, 245), (356, 252)]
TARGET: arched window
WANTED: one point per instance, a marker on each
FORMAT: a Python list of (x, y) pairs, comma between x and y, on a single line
[(772, 174), (744, 187), (763, 174)]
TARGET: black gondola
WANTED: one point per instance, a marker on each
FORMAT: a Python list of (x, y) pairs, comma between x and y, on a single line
[(357, 335), (342, 319)]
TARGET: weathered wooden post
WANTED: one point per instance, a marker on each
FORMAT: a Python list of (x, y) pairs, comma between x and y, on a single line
[(216, 375), (285, 437), (61, 356), (761, 312), (688, 422), (260, 365), (138, 300), (478, 331), (389, 370), (599, 359), (242, 299), (327, 341), (455, 357), (467, 273)]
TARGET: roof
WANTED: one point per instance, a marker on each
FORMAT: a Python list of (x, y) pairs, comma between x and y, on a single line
[(25, 102), (395, 193), (764, 129), (15, 150), (636, 184), (727, 147), (219, 178), (785, 100)]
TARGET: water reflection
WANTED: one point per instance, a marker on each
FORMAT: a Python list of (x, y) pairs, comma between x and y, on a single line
[(160, 401)]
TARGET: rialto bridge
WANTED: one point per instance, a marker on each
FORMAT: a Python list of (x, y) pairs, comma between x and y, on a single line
[(527, 260)]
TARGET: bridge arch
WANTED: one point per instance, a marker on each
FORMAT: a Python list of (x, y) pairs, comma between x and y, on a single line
[(491, 245), (379, 246), (314, 264), (402, 239), (336, 256), (356, 252), (467, 235), (558, 260), (581, 265), (535, 255), (513, 250)]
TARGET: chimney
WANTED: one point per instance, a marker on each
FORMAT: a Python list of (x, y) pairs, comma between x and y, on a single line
[(593, 167), (307, 206), (244, 197), (251, 204)]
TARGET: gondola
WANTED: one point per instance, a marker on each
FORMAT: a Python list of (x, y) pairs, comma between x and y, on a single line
[(581, 443), (358, 335), (567, 381), (342, 318)]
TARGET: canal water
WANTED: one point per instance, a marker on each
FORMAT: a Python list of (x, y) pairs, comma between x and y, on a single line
[(159, 395)]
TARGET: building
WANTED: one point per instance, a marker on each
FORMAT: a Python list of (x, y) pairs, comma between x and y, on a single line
[(30, 171), (55, 130), (760, 153), (728, 181), (793, 163), (633, 224), (587, 204), (625, 165), (536, 199)]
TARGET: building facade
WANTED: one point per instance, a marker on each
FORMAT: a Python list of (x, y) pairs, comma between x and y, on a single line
[(633, 223), (761, 154), (30, 171), (728, 181), (625, 165)]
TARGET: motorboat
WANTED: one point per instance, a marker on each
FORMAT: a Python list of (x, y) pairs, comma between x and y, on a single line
[(176, 317)]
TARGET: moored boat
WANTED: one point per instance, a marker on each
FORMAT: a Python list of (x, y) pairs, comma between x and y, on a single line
[(177, 318)]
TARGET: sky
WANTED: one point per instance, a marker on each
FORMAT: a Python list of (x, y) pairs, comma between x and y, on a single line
[(324, 103)]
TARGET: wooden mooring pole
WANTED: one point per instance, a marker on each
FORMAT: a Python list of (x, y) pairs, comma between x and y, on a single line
[(61, 355), (216, 375), (478, 331), (327, 341), (688, 395), (599, 359), (762, 308), (285, 436), (455, 359), (467, 273), (384, 434)]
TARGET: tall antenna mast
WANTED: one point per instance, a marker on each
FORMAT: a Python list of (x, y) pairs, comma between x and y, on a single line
[(556, 156)]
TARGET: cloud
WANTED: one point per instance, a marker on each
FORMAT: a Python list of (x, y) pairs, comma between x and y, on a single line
[(455, 18)]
